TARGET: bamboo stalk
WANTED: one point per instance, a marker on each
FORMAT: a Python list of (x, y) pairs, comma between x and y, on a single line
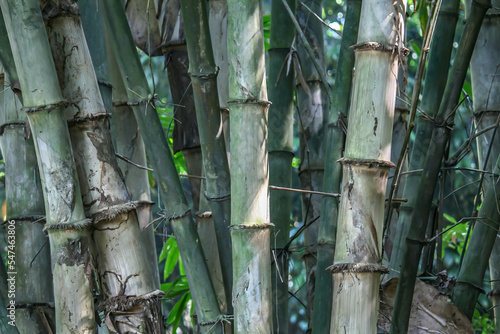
[(335, 139), (250, 228), (358, 258), (218, 33), (428, 180), (484, 70), (203, 73), (280, 148), (180, 217), (70, 240), (25, 207), (436, 75), (312, 110), (128, 270)]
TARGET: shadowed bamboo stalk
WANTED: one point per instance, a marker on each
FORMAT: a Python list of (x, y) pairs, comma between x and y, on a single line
[(485, 81), (358, 259), (176, 206), (440, 134), (250, 228), (173, 46), (436, 75), (335, 138), (218, 34), (67, 225), (203, 73), (25, 208), (280, 147), (312, 109)]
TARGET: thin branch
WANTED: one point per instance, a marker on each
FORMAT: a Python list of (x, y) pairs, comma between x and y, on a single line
[(305, 191), (309, 50), (320, 19)]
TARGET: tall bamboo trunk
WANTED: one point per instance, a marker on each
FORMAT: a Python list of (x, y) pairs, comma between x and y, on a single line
[(436, 76), (203, 73), (312, 108), (358, 259), (128, 271), (218, 33), (25, 209), (176, 206), (484, 72), (335, 138), (280, 146), (250, 229), (428, 180), (485, 80), (67, 225), (174, 49)]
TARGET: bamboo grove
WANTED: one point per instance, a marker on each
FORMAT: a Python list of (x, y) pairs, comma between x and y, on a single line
[(339, 166)]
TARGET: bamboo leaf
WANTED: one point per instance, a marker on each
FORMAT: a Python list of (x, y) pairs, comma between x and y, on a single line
[(175, 315), (172, 257)]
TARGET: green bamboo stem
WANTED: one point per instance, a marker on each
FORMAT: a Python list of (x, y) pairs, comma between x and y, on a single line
[(218, 33), (335, 139), (6, 58), (25, 207), (470, 278), (185, 134), (93, 26), (486, 112), (280, 148), (176, 206), (127, 269), (203, 73), (358, 249), (206, 228), (250, 229), (436, 76), (7, 325), (70, 241), (312, 108), (428, 180)]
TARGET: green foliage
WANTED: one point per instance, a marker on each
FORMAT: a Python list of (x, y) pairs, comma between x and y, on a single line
[(483, 323), (453, 241), (179, 287), (267, 30)]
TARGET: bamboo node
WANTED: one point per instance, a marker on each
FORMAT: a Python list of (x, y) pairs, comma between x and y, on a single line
[(367, 162), (177, 216), (105, 83), (375, 46), (45, 108), (494, 292), (63, 8), (217, 198), (80, 225), (112, 212), (357, 268), (123, 303), (11, 125), (205, 75), (89, 119), (250, 101), (258, 226), (471, 285), (227, 318), (204, 214)]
